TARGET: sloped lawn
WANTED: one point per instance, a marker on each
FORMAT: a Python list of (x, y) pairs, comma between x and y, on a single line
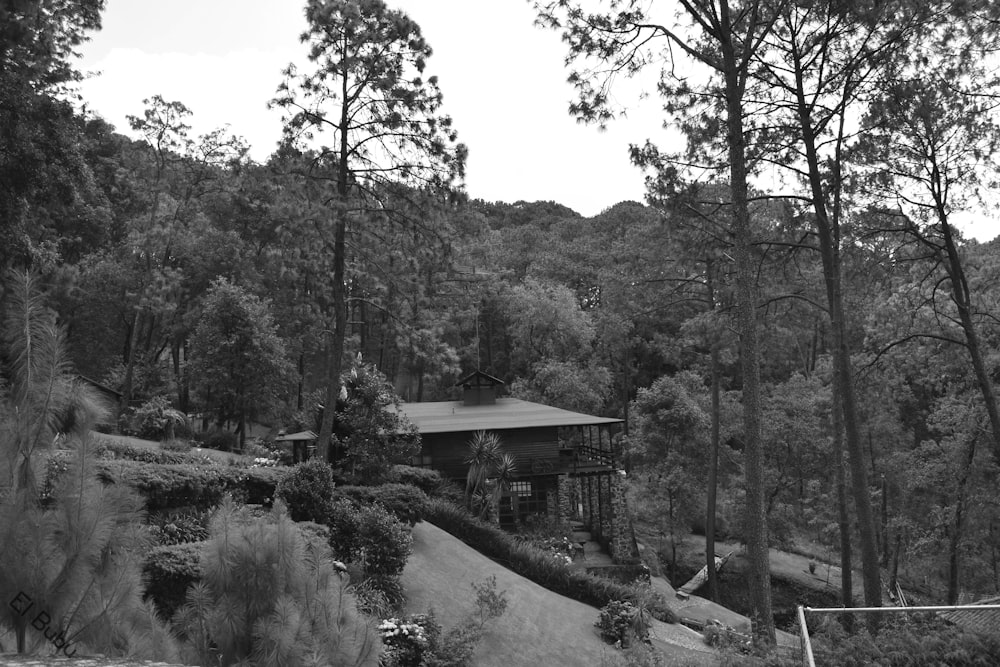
[(539, 628)]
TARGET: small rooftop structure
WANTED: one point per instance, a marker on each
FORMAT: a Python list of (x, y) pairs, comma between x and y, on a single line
[(479, 388)]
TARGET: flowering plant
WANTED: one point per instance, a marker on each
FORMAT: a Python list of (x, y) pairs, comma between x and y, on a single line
[(407, 641)]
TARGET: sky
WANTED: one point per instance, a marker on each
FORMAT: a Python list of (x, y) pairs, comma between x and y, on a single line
[(503, 80)]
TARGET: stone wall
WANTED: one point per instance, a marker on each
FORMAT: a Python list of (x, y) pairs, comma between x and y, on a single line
[(621, 535)]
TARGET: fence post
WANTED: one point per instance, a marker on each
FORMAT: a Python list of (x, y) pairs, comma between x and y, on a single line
[(807, 651)]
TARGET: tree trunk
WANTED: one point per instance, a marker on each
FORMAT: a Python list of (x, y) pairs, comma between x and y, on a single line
[(335, 343), (958, 525), (713, 463), (829, 242), (963, 301), (843, 515), (755, 529)]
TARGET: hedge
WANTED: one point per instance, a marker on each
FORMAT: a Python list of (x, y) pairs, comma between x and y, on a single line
[(406, 502), (537, 565), (168, 572), (166, 486), (114, 450)]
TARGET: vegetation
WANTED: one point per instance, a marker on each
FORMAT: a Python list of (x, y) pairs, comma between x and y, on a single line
[(269, 595), (811, 368), (536, 564)]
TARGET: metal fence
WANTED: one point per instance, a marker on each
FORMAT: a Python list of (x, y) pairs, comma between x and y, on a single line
[(806, 645)]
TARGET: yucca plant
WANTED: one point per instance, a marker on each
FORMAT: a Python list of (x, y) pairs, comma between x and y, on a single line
[(491, 471), (76, 558)]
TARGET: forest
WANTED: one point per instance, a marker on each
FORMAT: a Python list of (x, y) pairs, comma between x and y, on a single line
[(801, 342)]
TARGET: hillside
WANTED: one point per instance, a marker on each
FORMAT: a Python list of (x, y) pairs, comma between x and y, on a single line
[(539, 628)]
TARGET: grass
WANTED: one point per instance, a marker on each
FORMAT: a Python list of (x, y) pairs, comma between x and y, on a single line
[(539, 628)]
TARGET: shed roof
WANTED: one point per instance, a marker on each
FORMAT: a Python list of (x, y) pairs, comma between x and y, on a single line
[(986, 620), (301, 435), (506, 413)]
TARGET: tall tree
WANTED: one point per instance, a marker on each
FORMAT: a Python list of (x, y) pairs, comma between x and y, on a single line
[(237, 361), (934, 143), (369, 92), (721, 37), (42, 173)]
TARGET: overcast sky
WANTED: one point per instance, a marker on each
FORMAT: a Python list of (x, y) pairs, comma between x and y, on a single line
[(503, 82)]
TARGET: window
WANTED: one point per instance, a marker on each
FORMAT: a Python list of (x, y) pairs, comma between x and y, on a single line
[(421, 461), (522, 489)]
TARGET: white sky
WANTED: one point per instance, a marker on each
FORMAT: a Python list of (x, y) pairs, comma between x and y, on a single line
[(503, 82)]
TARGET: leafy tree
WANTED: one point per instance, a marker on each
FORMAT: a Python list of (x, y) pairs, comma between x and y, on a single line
[(369, 92), (237, 362), (43, 177), (371, 433)]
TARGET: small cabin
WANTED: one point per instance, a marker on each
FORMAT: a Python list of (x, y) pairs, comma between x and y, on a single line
[(550, 444)]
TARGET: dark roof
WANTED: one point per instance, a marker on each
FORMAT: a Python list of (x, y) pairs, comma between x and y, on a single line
[(479, 375), (97, 385), (301, 435), (506, 413), (985, 620)]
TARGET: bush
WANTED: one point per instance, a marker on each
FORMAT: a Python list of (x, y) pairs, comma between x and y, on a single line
[(184, 485), (307, 491), (537, 565), (179, 527), (384, 542), (155, 419), (425, 479), (620, 622), (168, 572), (176, 445), (407, 503), (270, 596), (224, 441), (370, 536), (112, 450), (917, 640)]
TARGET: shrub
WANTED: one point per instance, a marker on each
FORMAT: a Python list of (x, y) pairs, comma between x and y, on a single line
[(620, 622), (370, 536), (179, 527), (425, 479), (112, 450), (155, 419), (270, 596), (407, 503), (183, 485), (224, 441), (537, 565), (168, 572), (308, 490), (176, 445), (418, 639)]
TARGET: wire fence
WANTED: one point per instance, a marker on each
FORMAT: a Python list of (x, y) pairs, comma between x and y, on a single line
[(806, 645)]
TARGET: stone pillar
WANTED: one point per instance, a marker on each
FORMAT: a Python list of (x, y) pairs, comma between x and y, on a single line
[(593, 524), (621, 537), (564, 491), (604, 486)]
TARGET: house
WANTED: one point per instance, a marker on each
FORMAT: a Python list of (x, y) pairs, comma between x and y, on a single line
[(111, 398), (565, 464), (302, 443)]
